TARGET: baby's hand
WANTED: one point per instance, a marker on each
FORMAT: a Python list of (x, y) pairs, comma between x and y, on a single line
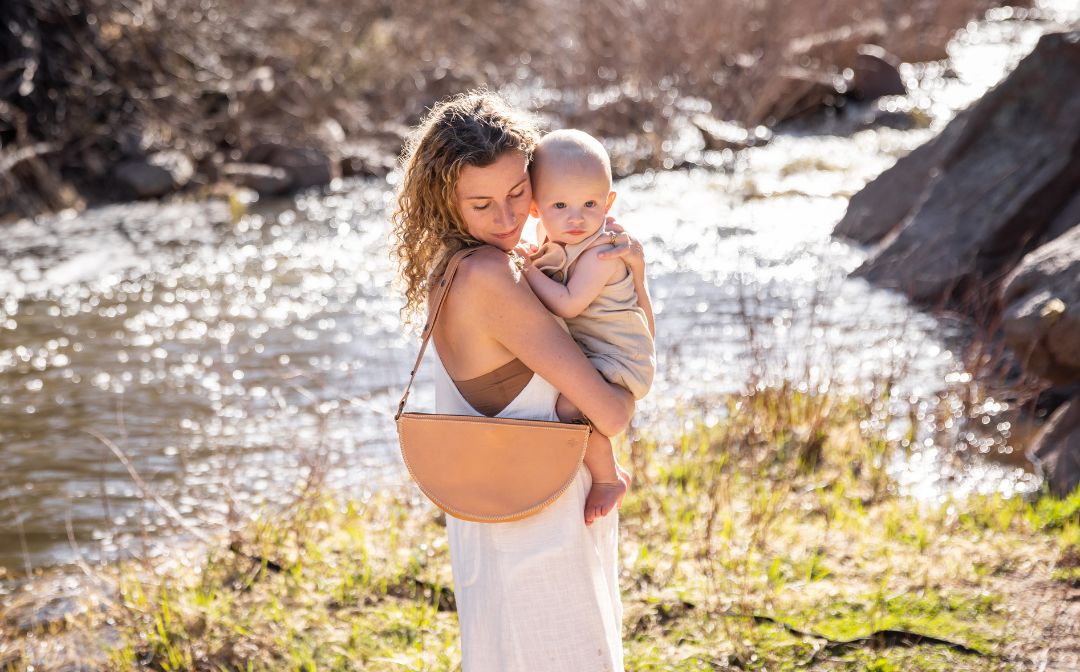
[(525, 251)]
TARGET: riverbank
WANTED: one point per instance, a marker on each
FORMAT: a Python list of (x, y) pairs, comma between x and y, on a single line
[(772, 538), (108, 102)]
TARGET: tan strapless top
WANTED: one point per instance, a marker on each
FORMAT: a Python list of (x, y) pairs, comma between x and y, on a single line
[(491, 392)]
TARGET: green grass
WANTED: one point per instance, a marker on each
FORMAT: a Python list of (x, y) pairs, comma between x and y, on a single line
[(779, 515)]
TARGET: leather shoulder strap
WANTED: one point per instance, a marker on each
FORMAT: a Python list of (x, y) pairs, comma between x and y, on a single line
[(438, 297)]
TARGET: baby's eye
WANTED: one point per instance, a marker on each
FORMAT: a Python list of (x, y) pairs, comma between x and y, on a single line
[(589, 204), (560, 205)]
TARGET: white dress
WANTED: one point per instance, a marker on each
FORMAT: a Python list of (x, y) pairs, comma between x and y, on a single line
[(539, 594)]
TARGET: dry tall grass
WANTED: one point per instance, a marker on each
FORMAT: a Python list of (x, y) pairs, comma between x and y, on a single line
[(87, 84)]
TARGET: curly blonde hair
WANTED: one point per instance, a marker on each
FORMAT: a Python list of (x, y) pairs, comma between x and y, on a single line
[(469, 129)]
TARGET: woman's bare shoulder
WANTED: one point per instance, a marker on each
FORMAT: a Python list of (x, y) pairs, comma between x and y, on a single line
[(489, 270), (486, 259)]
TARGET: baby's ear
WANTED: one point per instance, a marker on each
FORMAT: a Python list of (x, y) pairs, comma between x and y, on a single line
[(610, 200), (533, 210)]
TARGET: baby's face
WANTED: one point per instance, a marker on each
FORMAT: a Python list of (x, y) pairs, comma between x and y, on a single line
[(572, 202)]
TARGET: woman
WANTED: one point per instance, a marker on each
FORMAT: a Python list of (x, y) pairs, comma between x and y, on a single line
[(539, 594)]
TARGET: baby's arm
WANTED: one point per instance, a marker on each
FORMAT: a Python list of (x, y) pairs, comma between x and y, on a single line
[(590, 276)]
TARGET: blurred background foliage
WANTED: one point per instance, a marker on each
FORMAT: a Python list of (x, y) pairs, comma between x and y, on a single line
[(86, 84)]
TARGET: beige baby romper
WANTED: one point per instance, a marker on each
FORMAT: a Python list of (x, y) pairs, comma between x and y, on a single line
[(613, 330)]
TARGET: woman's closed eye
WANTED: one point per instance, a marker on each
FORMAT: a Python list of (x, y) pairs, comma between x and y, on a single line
[(519, 194)]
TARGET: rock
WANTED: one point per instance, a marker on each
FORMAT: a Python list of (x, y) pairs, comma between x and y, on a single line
[(1054, 397), (132, 141), (879, 208), (791, 92), (267, 180), (36, 186), (368, 158), (992, 187), (1056, 448), (1041, 319), (306, 166), (177, 163), (158, 174), (374, 148), (900, 119), (875, 73), (1068, 218), (94, 161), (721, 135)]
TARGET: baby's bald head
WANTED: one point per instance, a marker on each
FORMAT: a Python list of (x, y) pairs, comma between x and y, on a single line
[(568, 151)]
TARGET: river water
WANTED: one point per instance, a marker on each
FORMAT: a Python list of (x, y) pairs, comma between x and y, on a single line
[(228, 351)]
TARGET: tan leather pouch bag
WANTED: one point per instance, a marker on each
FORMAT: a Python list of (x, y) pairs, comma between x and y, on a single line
[(482, 469)]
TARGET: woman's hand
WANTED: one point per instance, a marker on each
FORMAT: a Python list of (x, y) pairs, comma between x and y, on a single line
[(626, 247), (633, 255)]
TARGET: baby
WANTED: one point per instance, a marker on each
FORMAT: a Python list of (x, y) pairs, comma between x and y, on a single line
[(571, 182)]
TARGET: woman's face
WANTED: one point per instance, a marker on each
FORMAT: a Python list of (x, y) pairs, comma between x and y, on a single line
[(494, 200)]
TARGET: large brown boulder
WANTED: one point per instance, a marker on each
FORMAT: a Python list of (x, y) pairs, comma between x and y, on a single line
[(879, 208), (1011, 164), (1066, 219), (1041, 319), (1056, 449)]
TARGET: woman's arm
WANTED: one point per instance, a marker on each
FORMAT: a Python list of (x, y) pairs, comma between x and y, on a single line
[(500, 305), (645, 301)]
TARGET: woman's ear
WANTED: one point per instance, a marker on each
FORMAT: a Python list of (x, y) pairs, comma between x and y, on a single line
[(610, 200)]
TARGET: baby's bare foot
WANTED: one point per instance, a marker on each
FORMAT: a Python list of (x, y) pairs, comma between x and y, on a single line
[(602, 498)]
